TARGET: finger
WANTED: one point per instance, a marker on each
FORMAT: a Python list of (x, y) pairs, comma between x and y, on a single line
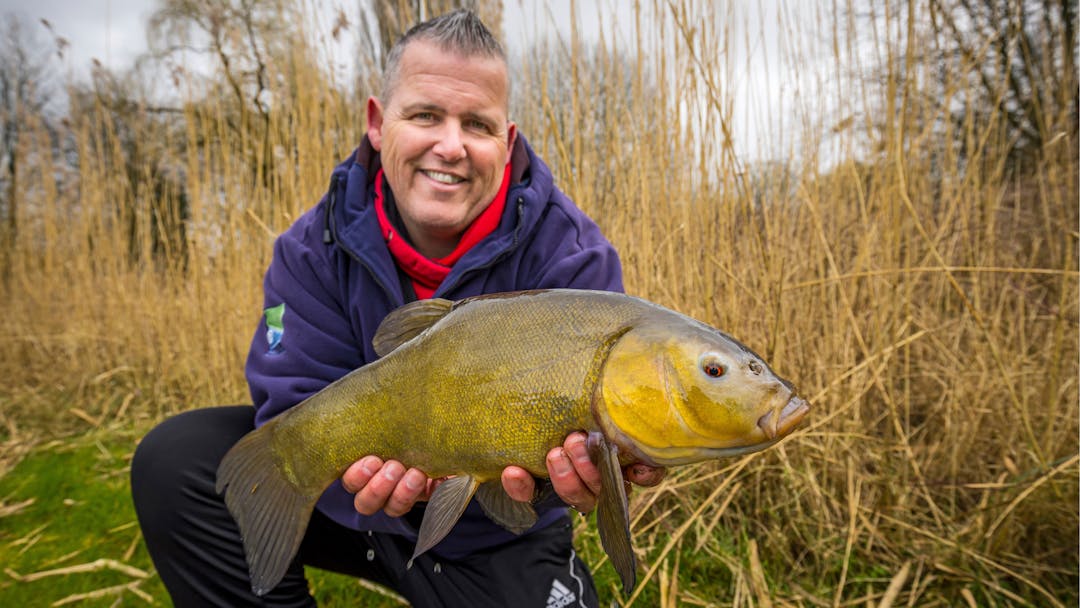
[(644, 475), (566, 482), (359, 473), (518, 483), (372, 497), (576, 448), (406, 493)]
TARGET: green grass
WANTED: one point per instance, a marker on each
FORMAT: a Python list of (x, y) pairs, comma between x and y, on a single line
[(68, 532), (67, 507)]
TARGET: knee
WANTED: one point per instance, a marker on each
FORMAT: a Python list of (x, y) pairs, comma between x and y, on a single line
[(177, 460), (158, 466), (156, 458)]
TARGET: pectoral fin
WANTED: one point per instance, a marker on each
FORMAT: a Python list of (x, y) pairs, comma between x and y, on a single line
[(515, 516), (443, 511), (613, 515)]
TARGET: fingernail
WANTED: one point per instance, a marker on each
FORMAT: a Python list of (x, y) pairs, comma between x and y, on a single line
[(561, 463), (578, 449), (391, 470), (414, 479)]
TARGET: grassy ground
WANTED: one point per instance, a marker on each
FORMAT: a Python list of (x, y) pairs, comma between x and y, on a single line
[(68, 533), (68, 530)]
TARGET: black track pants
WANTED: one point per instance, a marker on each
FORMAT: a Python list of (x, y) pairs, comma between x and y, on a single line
[(196, 545)]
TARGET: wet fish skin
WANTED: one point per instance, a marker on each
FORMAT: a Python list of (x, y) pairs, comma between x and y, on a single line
[(468, 388)]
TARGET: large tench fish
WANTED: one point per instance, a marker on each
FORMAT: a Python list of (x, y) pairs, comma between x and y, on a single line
[(464, 389)]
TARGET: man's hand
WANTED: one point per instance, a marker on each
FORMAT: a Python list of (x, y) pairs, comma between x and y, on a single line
[(574, 476), (388, 486)]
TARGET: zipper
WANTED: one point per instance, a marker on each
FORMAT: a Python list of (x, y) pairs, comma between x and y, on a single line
[(331, 197), (447, 287)]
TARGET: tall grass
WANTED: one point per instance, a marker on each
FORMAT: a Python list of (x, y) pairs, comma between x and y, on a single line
[(920, 293)]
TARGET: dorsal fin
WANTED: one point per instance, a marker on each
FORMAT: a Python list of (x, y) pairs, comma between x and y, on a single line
[(406, 322)]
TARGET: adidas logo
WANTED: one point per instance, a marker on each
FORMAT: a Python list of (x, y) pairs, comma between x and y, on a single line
[(560, 596)]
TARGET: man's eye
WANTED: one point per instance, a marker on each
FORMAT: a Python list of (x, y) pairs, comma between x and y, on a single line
[(423, 116), (477, 125)]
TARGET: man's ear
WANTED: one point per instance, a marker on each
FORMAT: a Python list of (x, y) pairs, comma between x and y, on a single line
[(374, 123), (511, 137)]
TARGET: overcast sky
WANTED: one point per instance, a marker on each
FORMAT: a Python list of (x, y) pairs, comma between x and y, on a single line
[(114, 33), (111, 31)]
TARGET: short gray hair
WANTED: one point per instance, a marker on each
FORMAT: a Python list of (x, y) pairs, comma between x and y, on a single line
[(460, 31)]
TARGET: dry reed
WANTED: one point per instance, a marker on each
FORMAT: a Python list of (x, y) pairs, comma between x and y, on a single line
[(924, 299)]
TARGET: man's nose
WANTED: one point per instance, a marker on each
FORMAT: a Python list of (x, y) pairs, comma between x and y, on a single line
[(451, 144)]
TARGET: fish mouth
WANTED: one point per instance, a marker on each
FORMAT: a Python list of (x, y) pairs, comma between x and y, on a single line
[(779, 423)]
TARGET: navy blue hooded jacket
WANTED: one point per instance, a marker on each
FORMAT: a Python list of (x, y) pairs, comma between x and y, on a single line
[(336, 279)]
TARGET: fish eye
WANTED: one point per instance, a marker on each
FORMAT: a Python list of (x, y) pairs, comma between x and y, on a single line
[(712, 367)]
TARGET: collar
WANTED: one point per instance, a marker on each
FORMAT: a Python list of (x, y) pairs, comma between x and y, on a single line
[(428, 273)]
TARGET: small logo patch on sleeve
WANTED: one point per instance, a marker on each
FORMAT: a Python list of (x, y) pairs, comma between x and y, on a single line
[(275, 328)]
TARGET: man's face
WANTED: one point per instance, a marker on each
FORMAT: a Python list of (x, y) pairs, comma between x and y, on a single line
[(444, 138)]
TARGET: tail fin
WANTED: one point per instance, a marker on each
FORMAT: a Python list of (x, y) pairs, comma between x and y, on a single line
[(272, 513)]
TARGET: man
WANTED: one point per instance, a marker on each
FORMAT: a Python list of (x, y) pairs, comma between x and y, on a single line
[(441, 199)]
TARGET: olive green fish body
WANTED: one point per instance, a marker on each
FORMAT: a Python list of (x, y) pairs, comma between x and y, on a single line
[(465, 389), (450, 402)]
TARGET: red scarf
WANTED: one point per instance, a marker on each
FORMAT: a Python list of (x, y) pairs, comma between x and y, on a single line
[(427, 273)]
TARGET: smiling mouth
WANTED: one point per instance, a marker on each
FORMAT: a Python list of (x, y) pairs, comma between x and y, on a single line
[(777, 424), (443, 178)]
